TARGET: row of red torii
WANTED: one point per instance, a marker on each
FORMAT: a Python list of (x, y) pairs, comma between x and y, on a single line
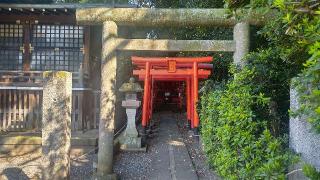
[(187, 69)]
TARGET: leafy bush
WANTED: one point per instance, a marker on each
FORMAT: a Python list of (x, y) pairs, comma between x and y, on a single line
[(238, 144), (311, 172), (306, 27), (245, 119)]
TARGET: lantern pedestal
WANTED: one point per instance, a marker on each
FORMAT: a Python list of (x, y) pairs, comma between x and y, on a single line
[(130, 140)]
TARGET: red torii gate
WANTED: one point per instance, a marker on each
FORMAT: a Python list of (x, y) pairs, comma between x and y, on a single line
[(188, 69)]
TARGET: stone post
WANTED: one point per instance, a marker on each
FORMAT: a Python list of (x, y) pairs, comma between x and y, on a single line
[(107, 100), (241, 36), (302, 138), (130, 140), (56, 124)]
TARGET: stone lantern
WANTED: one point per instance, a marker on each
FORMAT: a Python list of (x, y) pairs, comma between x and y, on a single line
[(130, 140)]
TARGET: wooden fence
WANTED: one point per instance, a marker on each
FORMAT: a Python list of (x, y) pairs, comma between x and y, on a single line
[(21, 101), (21, 110)]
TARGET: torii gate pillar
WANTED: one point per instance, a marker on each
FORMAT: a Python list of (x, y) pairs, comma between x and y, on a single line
[(107, 101), (241, 36)]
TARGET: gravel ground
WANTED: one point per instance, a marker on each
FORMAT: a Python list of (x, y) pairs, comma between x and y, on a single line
[(196, 153), (29, 167), (136, 165), (128, 165), (20, 167), (133, 165)]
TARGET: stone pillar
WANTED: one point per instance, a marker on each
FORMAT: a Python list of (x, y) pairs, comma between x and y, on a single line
[(107, 100), (241, 36), (302, 139), (56, 124)]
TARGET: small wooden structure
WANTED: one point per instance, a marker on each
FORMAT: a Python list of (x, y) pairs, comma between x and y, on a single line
[(41, 38)]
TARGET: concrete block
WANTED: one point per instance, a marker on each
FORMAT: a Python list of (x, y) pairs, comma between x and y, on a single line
[(302, 139)]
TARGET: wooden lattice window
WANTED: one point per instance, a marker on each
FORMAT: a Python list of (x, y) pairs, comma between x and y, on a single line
[(57, 47), (11, 41)]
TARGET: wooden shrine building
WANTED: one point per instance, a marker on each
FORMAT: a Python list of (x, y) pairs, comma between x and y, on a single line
[(38, 38)]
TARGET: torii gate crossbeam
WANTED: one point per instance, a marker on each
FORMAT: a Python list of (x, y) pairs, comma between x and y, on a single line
[(187, 69)]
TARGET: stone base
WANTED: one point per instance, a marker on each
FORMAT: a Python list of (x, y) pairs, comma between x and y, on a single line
[(128, 143), (190, 133), (112, 176), (142, 149)]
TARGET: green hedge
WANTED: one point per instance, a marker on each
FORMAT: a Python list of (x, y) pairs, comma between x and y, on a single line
[(238, 144)]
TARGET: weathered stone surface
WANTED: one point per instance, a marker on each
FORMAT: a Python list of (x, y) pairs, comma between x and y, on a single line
[(303, 139), (241, 36), (124, 71), (56, 124), (131, 87), (130, 140), (167, 17), (131, 104), (108, 99), (131, 130), (176, 45)]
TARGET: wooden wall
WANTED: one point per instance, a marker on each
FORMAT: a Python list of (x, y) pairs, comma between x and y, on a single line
[(20, 110)]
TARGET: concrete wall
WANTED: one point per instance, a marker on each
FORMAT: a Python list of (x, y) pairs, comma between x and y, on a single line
[(303, 140)]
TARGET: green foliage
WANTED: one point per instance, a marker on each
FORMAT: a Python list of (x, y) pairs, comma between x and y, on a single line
[(27, 1), (187, 3), (238, 143), (97, 1), (311, 172), (303, 23), (295, 34), (234, 4), (252, 107), (308, 87)]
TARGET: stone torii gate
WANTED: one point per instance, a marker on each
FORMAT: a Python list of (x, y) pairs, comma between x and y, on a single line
[(110, 18)]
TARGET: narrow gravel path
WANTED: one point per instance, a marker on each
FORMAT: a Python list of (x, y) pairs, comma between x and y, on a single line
[(171, 154), (196, 153)]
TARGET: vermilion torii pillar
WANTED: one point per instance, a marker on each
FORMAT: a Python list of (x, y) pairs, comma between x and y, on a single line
[(158, 68), (188, 98), (146, 95)]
